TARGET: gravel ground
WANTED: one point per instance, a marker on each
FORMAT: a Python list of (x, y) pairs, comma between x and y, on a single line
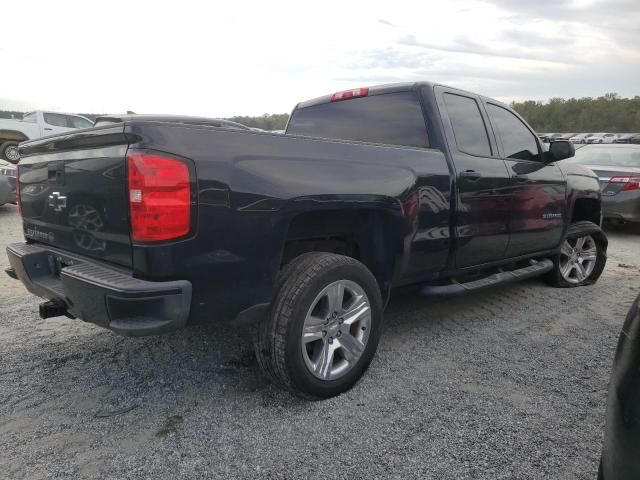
[(509, 383)]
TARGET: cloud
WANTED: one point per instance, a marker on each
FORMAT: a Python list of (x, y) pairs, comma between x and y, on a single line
[(387, 23), (224, 59), (616, 19), (467, 46)]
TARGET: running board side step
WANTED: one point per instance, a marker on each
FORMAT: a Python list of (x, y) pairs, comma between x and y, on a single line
[(500, 278)]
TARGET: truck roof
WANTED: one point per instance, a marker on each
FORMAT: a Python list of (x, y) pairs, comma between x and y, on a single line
[(386, 88)]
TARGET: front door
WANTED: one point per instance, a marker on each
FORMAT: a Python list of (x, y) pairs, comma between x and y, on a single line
[(482, 181), (537, 188)]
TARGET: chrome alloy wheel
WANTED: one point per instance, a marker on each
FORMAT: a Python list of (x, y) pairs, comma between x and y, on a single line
[(578, 258), (336, 330), (12, 153)]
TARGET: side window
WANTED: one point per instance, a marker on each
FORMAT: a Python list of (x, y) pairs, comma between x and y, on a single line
[(56, 119), (517, 140), (468, 126), (78, 122), (30, 118)]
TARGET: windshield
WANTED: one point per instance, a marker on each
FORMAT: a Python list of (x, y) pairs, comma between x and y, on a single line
[(609, 157)]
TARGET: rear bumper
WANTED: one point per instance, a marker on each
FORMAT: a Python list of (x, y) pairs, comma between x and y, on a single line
[(101, 294), (622, 206)]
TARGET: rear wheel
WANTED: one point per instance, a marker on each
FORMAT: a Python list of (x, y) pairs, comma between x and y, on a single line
[(324, 326), (582, 257), (9, 151)]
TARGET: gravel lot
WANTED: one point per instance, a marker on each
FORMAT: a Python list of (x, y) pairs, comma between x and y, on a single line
[(509, 383)]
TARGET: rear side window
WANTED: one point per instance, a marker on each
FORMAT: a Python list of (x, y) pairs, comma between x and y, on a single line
[(390, 118), (517, 140), (468, 126), (56, 119)]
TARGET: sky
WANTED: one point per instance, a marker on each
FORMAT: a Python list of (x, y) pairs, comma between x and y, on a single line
[(220, 59)]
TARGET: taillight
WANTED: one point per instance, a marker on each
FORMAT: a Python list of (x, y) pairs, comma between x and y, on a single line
[(630, 183), (356, 92), (159, 197)]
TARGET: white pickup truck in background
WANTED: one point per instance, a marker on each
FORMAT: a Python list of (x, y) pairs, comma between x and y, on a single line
[(35, 125)]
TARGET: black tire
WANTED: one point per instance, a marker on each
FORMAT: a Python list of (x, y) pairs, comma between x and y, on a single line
[(600, 471), (278, 337), (577, 230), (7, 150)]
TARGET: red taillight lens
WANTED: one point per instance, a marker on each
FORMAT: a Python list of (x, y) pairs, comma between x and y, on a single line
[(630, 183), (356, 92), (159, 197)]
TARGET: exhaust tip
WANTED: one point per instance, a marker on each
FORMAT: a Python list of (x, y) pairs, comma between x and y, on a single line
[(52, 308)]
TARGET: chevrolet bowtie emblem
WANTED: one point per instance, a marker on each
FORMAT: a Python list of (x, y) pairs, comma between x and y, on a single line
[(57, 202)]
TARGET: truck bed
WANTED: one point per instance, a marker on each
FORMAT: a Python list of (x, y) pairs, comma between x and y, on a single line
[(250, 188)]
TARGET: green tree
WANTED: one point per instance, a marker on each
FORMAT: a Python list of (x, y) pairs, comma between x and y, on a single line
[(608, 113)]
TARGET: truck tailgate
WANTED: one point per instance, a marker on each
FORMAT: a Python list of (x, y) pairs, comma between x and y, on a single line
[(73, 193)]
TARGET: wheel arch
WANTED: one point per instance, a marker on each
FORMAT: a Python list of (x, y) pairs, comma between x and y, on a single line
[(12, 136), (367, 234), (586, 209)]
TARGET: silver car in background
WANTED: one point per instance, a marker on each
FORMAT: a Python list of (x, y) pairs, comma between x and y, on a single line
[(7, 183), (618, 169), (580, 137), (602, 138)]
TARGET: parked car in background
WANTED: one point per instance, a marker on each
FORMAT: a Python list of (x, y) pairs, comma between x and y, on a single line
[(623, 137), (618, 170), (7, 183), (565, 136), (621, 449), (35, 125), (602, 138), (580, 137), (552, 137), (635, 138)]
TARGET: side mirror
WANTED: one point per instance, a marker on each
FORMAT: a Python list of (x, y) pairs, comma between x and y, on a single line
[(559, 150)]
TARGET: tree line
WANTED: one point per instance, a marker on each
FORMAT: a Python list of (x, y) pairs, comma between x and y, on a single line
[(608, 113), (275, 121)]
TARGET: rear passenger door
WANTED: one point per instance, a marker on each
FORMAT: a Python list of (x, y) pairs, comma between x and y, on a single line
[(537, 189), (482, 181), (55, 123)]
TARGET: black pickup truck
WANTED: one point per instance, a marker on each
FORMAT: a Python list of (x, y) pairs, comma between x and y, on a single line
[(145, 225)]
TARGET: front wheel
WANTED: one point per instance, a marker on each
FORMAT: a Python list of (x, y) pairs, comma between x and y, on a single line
[(324, 326), (582, 257)]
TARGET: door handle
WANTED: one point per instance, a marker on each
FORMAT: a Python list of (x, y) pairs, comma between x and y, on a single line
[(521, 178), (47, 128), (470, 175)]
